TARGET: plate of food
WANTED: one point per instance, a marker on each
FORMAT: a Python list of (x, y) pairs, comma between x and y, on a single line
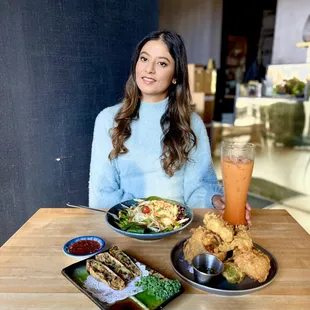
[(248, 267), (150, 218), (114, 280)]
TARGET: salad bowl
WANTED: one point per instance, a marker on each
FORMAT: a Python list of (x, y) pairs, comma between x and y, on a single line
[(140, 231)]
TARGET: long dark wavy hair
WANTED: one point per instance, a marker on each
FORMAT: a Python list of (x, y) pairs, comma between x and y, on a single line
[(178, 137)]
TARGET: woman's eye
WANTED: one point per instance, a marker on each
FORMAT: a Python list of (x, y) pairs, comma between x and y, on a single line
[(162, 64), (142, 58)]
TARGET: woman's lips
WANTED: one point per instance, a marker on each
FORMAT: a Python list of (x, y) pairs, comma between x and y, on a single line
[(148, 80)]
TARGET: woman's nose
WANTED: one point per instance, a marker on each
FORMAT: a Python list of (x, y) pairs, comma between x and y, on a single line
[(150, 67)]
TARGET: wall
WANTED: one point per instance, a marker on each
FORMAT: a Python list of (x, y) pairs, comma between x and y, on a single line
[(199, 22), (61, 63), (291, 17)]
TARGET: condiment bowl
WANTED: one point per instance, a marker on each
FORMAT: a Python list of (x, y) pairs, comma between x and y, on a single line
[(206, 267), (83, 247)]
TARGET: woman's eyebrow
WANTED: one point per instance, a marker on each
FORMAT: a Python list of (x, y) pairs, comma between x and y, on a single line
[(161, 57)]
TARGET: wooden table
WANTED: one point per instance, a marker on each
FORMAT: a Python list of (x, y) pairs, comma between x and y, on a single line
[(298, 207), (32, 260)]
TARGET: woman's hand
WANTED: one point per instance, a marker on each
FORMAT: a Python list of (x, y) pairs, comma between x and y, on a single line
[(219, 204)]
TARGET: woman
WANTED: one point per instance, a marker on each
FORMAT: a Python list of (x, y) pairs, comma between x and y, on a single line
[(152, 144)]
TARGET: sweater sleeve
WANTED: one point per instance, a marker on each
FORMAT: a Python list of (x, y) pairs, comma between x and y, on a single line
[(200, 181), (104, 181)]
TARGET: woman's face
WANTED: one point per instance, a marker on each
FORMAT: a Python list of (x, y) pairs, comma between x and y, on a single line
[(154, 71)]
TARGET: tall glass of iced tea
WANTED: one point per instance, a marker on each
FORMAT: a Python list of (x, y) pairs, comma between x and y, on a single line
[(237, 160)]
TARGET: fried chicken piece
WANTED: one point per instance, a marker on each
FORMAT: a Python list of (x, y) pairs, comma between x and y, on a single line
[(254, 264), (241, 228), (225, 247), (194, 246), (202, 241), (242, 241), (216, 224), (219, 254)]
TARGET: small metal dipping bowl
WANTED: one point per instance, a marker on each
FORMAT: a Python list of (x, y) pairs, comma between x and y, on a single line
[(202, 263)]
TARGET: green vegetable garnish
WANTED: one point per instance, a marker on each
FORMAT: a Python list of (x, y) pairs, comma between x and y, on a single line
[(232, 273), (154, 198), (161, 289), (124, 224)]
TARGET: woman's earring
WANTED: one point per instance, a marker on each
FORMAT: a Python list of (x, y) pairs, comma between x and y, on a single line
[(174, 81)]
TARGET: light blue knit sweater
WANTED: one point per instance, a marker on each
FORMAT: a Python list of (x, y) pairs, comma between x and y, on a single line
[(139, 174)]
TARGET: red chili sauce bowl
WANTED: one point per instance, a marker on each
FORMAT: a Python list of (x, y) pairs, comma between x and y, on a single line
[(84, 247)]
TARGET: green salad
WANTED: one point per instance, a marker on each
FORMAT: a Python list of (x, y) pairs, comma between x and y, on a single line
[(152, 216)]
